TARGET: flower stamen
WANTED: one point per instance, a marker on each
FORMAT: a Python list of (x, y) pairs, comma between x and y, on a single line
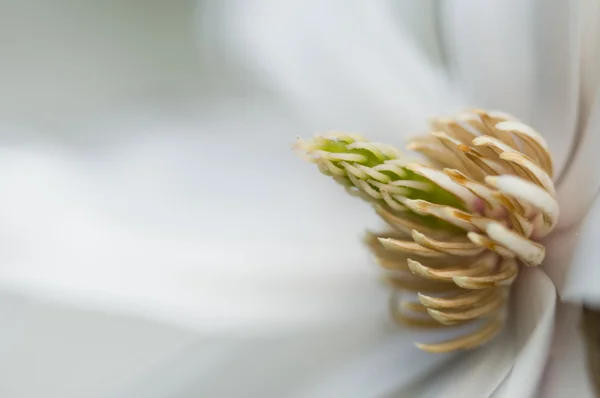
[(462, 223)]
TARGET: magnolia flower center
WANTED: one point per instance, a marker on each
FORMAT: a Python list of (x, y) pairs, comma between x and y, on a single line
[(462, 219)]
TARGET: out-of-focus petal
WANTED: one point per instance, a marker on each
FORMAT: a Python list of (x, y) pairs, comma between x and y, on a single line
[(189, 221), (560, 249), (519, 57), (590, 55), (581, 284), (69, 351), (354, 362), (341, 65), (490, 51), (375, 373), (581, 182), (534, 311), (477, 373), (566, 374), (421, 19), (512, 365), (572, 250)]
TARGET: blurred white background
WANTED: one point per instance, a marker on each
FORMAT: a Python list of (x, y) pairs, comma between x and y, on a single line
[(66, 62), (66, 65)]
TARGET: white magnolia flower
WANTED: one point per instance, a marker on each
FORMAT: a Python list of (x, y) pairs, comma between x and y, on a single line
[(226, 234)]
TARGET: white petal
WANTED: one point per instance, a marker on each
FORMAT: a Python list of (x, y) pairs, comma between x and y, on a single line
[(334, 75), (117, 351), (557, 78), (320, 363), (567, 372), (520, 57), (582, 259), (490, 47), (590, 55), (581, 183), (475, 374), (533, 312), (185, 224), (560, 249), (372, 372)]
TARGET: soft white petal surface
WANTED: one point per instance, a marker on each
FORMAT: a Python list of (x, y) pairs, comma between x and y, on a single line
[(561, 247), (370, 361), (189, 221), (57, 352), (342, 65), (582, 281), (581, 183), (519, 57), (566, 374), (589, 15), (534, 306)]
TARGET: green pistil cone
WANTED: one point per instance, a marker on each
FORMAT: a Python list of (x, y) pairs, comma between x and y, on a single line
[(336, 154)]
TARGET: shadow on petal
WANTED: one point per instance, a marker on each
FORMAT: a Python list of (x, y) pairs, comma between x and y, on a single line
[(583, 273), (566, 374)]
